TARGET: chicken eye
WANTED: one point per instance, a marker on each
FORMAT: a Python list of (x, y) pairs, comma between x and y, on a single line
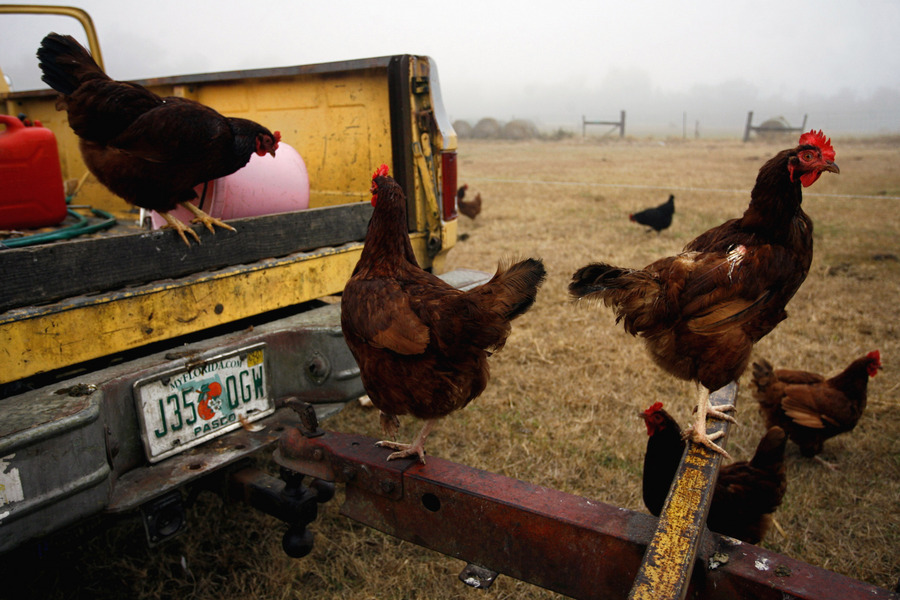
[(807, 156)]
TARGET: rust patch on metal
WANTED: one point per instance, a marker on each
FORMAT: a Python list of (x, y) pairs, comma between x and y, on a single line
[(569, 544)]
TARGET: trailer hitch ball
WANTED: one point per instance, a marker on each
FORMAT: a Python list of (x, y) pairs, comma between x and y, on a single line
[(324, 490), (297, 541)]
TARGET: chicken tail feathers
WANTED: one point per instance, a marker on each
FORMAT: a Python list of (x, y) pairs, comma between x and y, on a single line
[(770, 450), (509, 293), (634, 295), (66, 64), (763, 375), (517, 286), (595, 279)]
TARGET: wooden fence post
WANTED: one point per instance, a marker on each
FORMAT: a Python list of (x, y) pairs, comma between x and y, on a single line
[(749, 126)]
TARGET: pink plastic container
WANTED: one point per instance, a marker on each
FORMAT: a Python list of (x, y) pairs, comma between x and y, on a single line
[(31, 184), (266, 185)]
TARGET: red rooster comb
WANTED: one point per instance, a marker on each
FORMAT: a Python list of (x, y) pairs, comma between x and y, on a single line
[(818, 139), (875, 357), (380, 171), (654, 408), (653, 425)]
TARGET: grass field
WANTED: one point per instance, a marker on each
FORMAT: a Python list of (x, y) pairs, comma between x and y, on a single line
[(560, 410)]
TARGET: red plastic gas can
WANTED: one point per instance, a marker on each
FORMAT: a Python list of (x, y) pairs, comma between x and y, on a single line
[(31, 184)]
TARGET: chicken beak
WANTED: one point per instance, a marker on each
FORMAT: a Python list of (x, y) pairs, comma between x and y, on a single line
[(831, 167)]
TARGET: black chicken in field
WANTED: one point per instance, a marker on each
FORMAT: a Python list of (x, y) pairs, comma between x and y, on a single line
[(150, 151), (658, 217)]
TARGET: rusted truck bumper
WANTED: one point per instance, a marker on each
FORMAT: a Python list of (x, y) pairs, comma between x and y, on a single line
[(73, 450)]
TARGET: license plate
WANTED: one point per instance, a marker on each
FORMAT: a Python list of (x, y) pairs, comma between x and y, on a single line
[(189, 405)]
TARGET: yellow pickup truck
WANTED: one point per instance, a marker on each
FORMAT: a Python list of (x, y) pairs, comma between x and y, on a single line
[(134, 366)]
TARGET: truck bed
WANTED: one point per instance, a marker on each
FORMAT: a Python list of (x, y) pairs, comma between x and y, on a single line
[(66, 303)]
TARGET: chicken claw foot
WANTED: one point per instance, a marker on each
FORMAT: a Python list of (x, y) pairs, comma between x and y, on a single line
[(825, 463), (403, 450), (719, 413), (179, 227), (205, 219), (417, 448), (697, 431), (705, 439)]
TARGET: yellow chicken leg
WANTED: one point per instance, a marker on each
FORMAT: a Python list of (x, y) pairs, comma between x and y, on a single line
[(202, 217), (697, 431), (179, 227), (417, 448)]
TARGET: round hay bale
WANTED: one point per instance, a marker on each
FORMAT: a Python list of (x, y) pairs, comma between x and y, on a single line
[(520, 129), (773, 129), (462, 128), (487, 128)]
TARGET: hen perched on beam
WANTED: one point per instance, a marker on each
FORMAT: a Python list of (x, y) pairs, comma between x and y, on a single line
[(701, 311), (422, 345)]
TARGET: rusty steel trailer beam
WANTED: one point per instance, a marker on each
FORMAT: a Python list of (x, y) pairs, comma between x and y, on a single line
[(569, 544), (666, 569)]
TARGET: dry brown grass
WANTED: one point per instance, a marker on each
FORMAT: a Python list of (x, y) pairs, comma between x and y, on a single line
[(560, 409)]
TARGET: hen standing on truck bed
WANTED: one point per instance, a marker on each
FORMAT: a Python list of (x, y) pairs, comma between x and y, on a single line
[(151, 151)]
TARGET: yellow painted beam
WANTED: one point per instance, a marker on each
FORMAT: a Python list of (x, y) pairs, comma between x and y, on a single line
[(669, 560), (43, 338), (89, 327)]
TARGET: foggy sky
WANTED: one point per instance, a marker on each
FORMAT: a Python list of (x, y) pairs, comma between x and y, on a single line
[(704, 62)]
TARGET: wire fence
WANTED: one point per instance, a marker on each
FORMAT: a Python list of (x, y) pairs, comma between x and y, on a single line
[(667, 188)]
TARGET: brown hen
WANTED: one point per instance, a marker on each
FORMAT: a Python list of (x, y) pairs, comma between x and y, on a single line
[(421, 344), (150, 151), (700, 312), (470, 208), (811, 408)]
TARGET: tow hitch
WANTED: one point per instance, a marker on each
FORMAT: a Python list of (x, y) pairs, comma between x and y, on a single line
[(569, 544), (287, 499)]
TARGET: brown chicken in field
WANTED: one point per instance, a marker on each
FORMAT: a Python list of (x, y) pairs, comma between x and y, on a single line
[(470, 208), (809, 407), (700, 312), (421, 344), (747, 493), (151, 151)]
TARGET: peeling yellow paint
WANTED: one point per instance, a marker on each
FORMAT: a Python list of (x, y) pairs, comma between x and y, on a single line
[(670, 557), (40, 339)]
